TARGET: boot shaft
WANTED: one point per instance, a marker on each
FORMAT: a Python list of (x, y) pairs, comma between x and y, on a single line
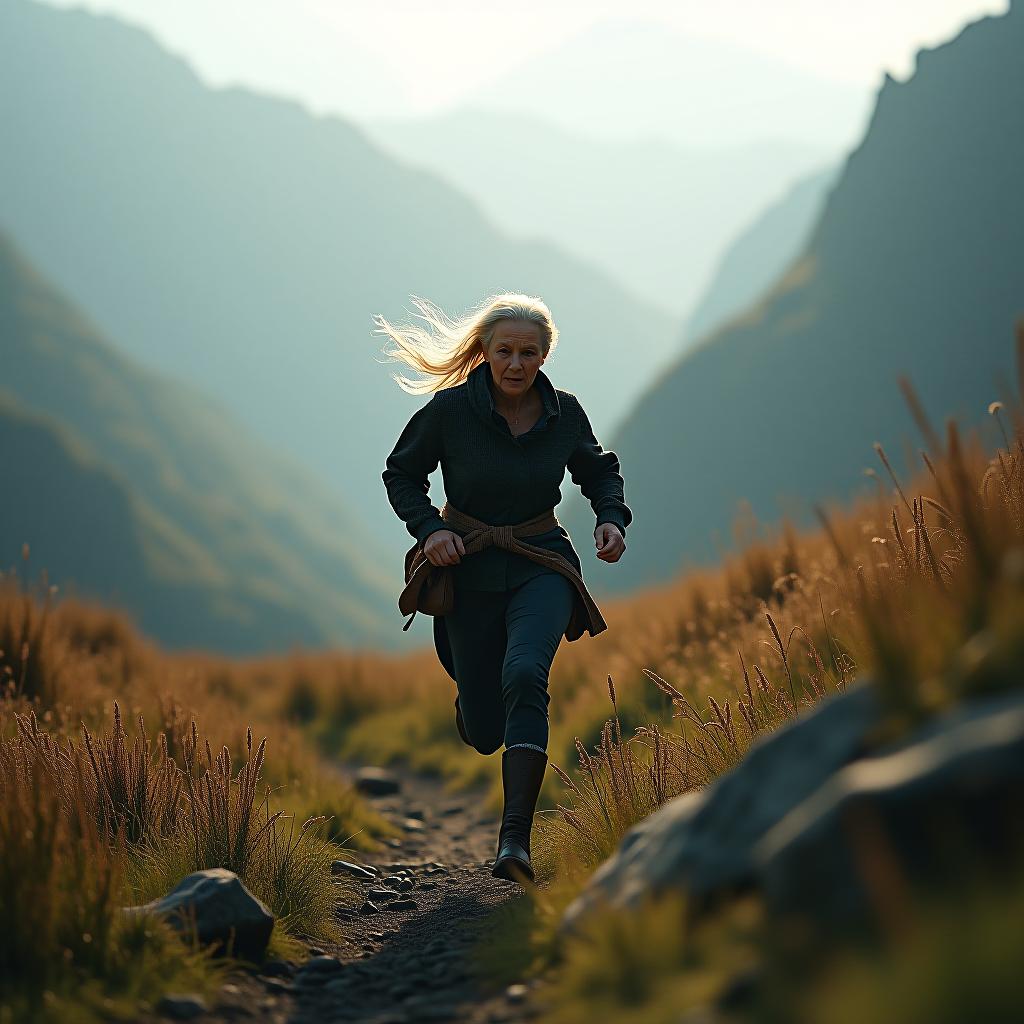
[(522, 774)]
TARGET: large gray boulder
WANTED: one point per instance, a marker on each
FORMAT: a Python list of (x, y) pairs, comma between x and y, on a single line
[(226, 914), (917, 817), (703, 841), (826, 828)]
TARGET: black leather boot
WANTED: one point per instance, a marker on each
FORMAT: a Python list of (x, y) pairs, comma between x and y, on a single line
[(461, 725), (522, 772)]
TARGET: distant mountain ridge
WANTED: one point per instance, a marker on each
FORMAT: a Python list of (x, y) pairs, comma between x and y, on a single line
[(915, 266), (143, 492), (239, 242), (653, 213), (632, 80)]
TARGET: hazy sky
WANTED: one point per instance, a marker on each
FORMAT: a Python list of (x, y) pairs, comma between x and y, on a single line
[(409, 56)]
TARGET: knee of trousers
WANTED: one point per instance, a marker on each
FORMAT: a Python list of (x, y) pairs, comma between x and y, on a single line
[(487, 744), (485, 733), (524, 681)]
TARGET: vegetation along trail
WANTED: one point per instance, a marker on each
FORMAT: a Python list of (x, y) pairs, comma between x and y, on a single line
[(413, 921)]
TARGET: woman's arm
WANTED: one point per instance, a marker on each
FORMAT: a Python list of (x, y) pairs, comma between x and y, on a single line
[(414, 458), (596, 473)]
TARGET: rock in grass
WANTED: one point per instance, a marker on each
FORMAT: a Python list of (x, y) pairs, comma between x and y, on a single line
[(344, 867), (181, 1007), (938, 808), (227, 916), (703, 841), (376, 781), (812, 811)]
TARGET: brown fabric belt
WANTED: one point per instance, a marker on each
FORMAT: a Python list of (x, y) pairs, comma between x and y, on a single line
[(479, 535)]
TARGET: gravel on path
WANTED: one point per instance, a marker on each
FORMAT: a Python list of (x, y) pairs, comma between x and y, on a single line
[(411, 925)]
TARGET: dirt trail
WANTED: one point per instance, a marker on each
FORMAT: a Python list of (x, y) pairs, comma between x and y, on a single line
[(407, 959)]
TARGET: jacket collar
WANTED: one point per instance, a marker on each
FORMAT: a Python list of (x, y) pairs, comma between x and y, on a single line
[(481, 396)]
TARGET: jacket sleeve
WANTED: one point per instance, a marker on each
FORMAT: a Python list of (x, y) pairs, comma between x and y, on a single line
[(414, 458), (596, 473)]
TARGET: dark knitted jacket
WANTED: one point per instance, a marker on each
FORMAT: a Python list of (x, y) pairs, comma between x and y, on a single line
[(502, 479)]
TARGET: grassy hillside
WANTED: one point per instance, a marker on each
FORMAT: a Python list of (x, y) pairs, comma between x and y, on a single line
[(913, 268), (919, 588), (226, 544), (242, 242)]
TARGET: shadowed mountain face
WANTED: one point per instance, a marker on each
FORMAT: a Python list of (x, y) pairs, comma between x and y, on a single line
[(98, 541), (244, 244), (654, 214), (138, 490), (760, 254), (914, 267)]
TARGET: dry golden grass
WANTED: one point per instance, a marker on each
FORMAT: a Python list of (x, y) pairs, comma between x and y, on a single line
[(66, 951), (96, 814), (921, 586)]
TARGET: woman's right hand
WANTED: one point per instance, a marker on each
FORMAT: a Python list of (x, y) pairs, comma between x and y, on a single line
[(443, 547)]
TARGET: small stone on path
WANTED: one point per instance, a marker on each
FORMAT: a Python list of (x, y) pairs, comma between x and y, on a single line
[(369, 908), (322, 964), (278, 969), (344, 867), (516, 993), (181, 1007), (376, 781)]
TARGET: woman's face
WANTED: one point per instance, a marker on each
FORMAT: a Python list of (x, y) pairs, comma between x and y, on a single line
[(515, 357)]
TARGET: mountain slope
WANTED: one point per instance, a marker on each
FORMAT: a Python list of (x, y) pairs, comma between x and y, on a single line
[(758, 256), (243, 552), (98, 541), (654, 214), (915, 266), (243, 243)]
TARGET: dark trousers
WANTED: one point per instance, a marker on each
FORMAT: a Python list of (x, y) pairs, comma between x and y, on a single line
[(503, 643)]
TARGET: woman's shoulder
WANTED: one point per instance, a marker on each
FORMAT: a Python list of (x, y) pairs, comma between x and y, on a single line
[(569, 404), (450, 397), (567, 397)]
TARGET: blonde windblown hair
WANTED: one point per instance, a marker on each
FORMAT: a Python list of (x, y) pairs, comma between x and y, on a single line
[(447, 350)]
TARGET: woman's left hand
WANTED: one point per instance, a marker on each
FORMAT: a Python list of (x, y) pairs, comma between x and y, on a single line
[(610, 542)]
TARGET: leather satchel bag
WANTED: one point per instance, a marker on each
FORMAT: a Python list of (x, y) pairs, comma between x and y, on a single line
[(429, 588)]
